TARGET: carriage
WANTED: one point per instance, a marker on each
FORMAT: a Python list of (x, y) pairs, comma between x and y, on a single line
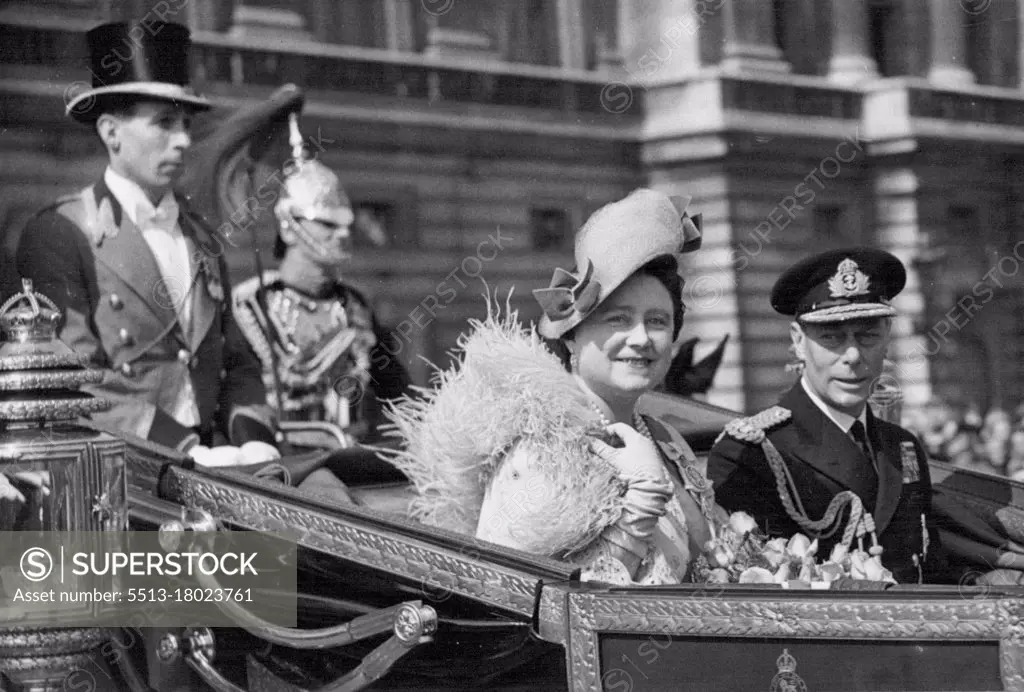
[(389, 603)]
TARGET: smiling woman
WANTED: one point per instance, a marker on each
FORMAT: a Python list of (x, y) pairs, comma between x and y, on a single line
[(517, 449)]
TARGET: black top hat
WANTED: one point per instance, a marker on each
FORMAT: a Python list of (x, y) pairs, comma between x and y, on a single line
[(840, 285), (136, 61)]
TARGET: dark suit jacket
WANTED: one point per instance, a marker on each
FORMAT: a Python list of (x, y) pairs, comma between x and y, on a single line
[(87, 256), (825, 461)]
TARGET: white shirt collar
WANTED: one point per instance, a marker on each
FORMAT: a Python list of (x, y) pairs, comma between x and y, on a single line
[(132, 198), (844, 420)]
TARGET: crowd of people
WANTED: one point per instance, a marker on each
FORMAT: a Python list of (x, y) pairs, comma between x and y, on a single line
[(990, 443)]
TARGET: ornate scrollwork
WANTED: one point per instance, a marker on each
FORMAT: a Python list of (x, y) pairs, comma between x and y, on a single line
[(51, 409), (996, 619), (47, 379), (18, 641), (436, 568)]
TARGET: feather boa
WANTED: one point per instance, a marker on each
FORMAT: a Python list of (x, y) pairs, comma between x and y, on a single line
[(506, 391)]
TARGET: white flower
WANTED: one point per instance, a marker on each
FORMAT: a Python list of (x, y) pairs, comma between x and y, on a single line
[(812, 549), (775, 551), (782, 574), (756, 575), (742, 523), (722, 556), (830, 571), (718, 576), (857, 567), (798, 545), (806, 573)]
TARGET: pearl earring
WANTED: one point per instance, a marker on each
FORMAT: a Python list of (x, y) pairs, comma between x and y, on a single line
[(574, 361)]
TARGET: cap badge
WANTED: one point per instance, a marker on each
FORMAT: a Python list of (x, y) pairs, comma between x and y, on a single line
[(848, 281)]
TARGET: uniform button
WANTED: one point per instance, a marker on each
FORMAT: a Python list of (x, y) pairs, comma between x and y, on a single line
[(223, 374), (184, 356), (116, 302), (126, 338), (127, 369)]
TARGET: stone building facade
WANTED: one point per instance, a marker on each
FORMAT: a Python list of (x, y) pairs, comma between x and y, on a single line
[(477, 134)]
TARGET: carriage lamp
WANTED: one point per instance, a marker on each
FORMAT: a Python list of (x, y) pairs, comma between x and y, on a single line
[(67, 476)]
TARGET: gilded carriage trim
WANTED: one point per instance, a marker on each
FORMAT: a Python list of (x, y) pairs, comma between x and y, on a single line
[(22, 641), (462, 571), (48, 379), (51, 409), (39, 361), (1011, 649), (59, 664), (696, 612)]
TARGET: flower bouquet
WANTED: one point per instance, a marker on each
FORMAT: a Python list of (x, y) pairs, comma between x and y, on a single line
[(738, 553)]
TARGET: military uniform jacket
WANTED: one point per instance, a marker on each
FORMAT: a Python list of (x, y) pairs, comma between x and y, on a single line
[(87, 256), (824, 461), (324, 346)]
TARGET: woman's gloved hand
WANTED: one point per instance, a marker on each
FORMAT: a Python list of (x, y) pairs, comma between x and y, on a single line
[(637, 458), (648, 491)]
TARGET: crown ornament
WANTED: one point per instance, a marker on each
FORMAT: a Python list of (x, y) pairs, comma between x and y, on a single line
[(848, 281), (39, 373), (785, 662), (34, 322)]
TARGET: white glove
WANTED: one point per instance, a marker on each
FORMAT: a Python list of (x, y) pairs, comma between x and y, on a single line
[(225, 455), (639, 458), (648, 486), (256, 452)]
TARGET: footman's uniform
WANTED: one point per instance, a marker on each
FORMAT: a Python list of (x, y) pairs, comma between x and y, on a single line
[(143, 288)]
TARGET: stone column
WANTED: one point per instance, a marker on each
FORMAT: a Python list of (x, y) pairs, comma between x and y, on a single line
[(949, 44), (899, 229), (400, 23), (851, 46), (750, 37), (572, 41)]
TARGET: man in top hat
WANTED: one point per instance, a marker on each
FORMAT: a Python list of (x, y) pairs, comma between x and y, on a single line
[(828, 438), (140, 280), (322, 350)]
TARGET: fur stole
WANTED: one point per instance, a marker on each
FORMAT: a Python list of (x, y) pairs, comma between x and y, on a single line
[(506, 391)]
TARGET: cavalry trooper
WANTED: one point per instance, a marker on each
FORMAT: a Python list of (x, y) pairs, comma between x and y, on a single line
[(324, 356), (139, 279), (826, 438)]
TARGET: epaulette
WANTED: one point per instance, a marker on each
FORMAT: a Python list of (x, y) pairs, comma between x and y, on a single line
[(753, 428)]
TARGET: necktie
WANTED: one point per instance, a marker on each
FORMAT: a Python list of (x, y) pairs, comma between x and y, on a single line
[(861, 438)]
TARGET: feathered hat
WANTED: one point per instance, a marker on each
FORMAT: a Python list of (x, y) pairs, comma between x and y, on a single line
[(616, 241)]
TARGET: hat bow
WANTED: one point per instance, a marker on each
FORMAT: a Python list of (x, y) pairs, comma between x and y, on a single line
[(568, 294)]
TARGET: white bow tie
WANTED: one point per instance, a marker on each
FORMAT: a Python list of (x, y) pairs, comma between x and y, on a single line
[(164, 217)]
